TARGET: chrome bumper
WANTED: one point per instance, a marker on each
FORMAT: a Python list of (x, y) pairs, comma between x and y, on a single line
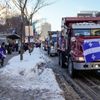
[(87, 66)]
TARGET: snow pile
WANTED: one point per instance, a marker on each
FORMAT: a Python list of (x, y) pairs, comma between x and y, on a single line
[(31, 74)]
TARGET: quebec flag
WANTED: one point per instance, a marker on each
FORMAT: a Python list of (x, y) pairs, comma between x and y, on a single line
[(91, 50)]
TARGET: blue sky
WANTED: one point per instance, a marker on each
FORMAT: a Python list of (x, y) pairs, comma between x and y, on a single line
[(62, 8)]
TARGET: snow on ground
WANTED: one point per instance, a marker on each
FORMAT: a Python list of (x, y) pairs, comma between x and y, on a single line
[(31, 73)]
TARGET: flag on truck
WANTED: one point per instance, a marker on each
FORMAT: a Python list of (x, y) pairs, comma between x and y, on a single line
[(91, 50)]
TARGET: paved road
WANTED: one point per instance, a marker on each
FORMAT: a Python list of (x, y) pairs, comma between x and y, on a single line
[(69, 92)]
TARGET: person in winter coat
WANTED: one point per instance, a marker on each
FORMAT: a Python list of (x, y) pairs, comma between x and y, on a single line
[(2, 55), (30, 48)]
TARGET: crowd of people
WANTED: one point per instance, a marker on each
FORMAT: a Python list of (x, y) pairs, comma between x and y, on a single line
[(8, 49)]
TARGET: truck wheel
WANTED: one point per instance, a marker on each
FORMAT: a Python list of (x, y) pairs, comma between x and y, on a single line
[(50, 55), (61, 61), (71, 69), (48, 50), (59, 58), (2, 62)]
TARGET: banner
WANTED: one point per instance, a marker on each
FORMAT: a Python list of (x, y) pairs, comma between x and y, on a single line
[(95, 32), (29, 31), (91, 50)]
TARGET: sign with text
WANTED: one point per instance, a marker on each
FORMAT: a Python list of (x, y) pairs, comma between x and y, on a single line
[(29, 31)]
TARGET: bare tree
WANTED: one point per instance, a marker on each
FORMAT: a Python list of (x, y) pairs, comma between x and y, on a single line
[(28, 8), (2, 8)]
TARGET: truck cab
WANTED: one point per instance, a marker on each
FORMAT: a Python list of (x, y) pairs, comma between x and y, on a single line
[(76, 32), (52, 42)]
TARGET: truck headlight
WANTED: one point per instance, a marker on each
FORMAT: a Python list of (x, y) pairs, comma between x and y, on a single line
[(81, 58), (96, 66), (52, 47)]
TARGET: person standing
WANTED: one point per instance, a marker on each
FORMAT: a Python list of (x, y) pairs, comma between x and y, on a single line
[(30, 48), (2, 55)]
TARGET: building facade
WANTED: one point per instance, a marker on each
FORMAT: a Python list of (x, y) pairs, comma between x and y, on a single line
[(44, 30), (88, 13)]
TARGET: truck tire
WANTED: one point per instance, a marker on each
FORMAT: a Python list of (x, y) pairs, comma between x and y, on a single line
[(59, 58), (71, 69), (50, 54), (48, 50), (2, 62), (61, 61)]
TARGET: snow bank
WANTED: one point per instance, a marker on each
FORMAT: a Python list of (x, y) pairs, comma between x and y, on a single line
[(31, 73)]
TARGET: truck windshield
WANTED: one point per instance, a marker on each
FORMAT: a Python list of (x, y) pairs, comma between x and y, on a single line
[(81, 32), (54, 39), (95, 32)]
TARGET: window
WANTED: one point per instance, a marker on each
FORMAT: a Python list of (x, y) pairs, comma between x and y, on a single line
[(81, 32), (95, 32), (54, 39)]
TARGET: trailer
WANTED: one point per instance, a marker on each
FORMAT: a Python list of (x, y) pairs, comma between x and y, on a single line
[(79, 44)]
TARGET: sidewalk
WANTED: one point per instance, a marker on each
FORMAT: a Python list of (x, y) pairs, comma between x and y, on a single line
[(9, 56), (31, 77)]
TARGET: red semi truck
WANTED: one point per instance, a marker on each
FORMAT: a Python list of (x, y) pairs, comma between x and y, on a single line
[(72, 52)]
